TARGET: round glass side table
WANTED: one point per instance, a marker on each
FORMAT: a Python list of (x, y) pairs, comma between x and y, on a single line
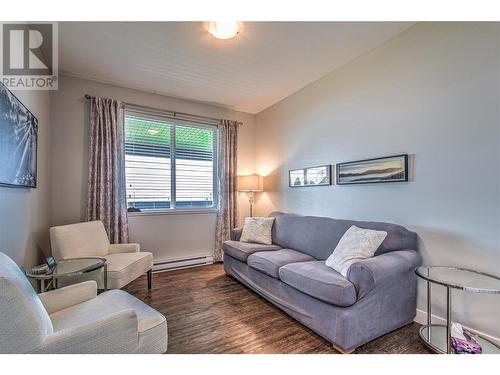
[(438, 336), (70, 268)]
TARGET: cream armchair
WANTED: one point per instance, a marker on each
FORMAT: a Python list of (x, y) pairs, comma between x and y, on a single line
[(125, 262), (74, 319)]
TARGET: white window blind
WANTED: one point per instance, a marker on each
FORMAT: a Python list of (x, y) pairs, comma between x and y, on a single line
[(154, 182)]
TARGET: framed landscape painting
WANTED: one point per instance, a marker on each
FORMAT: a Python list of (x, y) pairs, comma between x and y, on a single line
[(312, 176), (18, 142), (386, 169)]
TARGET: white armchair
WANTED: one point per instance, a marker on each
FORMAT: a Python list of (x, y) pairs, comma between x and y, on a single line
[(74, 319), (125, 262)]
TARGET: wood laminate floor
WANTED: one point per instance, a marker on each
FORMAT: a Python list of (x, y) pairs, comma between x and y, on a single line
[(209, 312)]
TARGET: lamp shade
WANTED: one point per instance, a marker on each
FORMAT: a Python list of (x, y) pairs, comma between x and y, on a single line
[(250, 183)]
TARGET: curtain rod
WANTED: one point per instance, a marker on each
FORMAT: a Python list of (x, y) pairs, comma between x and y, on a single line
[(87, 96)]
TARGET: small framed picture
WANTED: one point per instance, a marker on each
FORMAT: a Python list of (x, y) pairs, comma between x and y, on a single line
[(386, 169), (312, 176)]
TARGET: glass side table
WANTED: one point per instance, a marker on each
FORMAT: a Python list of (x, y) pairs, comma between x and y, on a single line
[(437, 336), (70, 268)]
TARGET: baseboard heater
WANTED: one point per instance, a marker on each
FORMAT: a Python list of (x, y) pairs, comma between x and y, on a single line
[(182, 263)]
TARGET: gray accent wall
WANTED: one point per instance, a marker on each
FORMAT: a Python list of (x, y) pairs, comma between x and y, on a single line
[(432, 92)]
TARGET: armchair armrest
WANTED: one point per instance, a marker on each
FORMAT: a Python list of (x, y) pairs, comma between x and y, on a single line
[(115, 333), (236, 233), (124, 248), (59, 299), (382, 270)]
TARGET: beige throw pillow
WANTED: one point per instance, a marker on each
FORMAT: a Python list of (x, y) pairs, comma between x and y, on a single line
[(258, 230), (356, 244)]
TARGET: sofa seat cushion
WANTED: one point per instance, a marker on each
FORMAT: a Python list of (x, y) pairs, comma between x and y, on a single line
[(319, 281), (241, 250), (126, 267), (269, 262), (151, 325)]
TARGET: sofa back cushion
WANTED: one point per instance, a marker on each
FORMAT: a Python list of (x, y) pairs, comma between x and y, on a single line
[(24, 322), (318, 236)]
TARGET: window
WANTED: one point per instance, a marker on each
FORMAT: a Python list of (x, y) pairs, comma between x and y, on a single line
[(169, 163)]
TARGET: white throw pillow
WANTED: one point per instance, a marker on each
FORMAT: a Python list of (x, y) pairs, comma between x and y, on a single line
[(356, 244), (258, 230)]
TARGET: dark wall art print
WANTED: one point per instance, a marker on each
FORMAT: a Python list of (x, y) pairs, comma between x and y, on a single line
[(386, 169), (18, 142), (313, 176)]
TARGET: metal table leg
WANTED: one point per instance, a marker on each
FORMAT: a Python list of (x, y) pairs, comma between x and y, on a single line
[(105, 277), (429, 315), (448, 320)]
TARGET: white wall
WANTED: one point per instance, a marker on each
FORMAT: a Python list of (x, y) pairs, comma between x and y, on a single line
[(169, 237), (432, 92), (24, 218)]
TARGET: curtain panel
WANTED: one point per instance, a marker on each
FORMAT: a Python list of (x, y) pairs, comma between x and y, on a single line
[(227, 215), (106, 183)]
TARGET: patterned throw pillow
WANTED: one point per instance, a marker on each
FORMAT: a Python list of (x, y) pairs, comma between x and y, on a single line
[(356, 244), (258, 230)]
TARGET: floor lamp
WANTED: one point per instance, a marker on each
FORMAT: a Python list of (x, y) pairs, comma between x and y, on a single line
[(250, 184)]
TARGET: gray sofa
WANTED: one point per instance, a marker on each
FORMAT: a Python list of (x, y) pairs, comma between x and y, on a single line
[(378, 295)]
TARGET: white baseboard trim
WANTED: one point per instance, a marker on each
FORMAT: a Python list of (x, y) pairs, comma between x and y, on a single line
[(421, 318), (182, 263)]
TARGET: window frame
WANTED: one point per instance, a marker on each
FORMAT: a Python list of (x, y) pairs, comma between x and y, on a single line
[(158, 116)]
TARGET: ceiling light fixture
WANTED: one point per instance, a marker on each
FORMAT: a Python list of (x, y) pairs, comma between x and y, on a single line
[(224, 29)]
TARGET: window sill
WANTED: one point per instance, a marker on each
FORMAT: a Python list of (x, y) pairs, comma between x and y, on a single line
[(193, 211)]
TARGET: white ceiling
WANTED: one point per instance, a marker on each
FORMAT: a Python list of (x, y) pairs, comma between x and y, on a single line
[(265, 63)]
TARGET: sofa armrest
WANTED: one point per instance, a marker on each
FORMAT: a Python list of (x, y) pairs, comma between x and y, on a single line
[(236, 233), (124, 248), (114, 333), (60, 299), (381, 270)]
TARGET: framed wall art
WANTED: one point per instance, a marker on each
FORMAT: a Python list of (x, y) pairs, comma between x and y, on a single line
[(312, 176), (386, 169), (18, 142)]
